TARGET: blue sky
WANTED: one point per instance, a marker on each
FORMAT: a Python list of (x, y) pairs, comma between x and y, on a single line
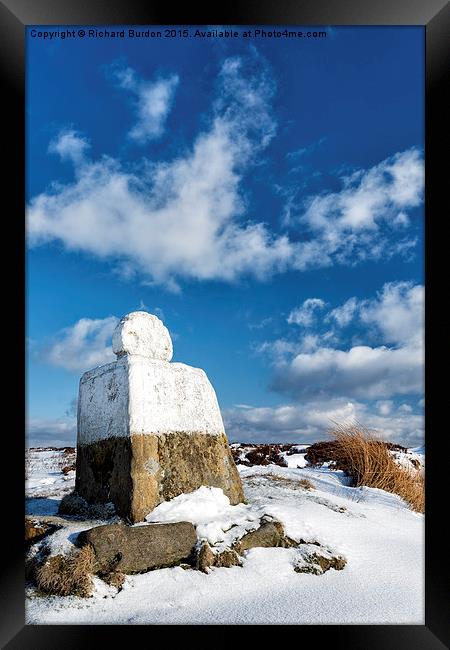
[(263, 197)]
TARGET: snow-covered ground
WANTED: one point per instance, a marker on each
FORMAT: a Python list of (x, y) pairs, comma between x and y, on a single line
[(382, 540), (46, 483)]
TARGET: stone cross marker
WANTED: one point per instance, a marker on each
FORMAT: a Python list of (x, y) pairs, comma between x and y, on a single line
[(148, 429)]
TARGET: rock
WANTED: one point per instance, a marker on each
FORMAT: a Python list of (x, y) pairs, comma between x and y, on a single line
[(269, 534), (148, 429), (36, 530), (114, 579), (318, 560), (137, 549), (205, 557), (68, 468), (227, 558), (74, 505)]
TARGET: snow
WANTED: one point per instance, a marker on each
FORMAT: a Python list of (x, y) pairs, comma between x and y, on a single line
[(142, 333), (44, 477), (295, 460), (412, 458), (139, 395), (209, 509), (418, 450), (381, 538)]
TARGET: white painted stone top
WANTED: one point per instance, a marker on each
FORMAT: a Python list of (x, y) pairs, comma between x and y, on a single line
[(142, 333), (143, 393)]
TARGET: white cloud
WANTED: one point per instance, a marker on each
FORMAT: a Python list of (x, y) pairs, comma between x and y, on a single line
[(70, 145), (384, 406), (349, 226), (343, 314), (186, 218), (57, 432), (311, 367), (380, 193), (287, 422), (153, 102), (176, 218), (305, 315), (312, 420), (83, 346), (360, 372), (279, 350), (398, 312)]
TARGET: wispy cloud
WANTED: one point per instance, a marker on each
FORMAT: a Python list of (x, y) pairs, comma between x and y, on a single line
[(70, 145), (83, 346), (152, 101), (304, 151), (306, 314), (343, 314), (260, 324), (381, 193)]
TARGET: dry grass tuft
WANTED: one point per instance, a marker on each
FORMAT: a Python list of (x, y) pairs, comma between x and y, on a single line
[(67, 575), (369, 463), (293, 483), (306, 484), (114, 579)]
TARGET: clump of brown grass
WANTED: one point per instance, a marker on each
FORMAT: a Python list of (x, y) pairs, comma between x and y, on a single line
[(368, 462), (293, 483), (114, 579), (306, 484), (67, 575)]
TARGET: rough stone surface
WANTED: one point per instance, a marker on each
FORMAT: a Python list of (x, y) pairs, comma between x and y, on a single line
[(318, 560), (139, 472), (103, 473), (149, 430), (269, 534), (207, 558), (227, 558), (188, 462), (76, 506), (37, 530), (128, 549), (142, 333)]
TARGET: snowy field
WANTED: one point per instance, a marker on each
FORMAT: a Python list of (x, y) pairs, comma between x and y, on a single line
[(381, 539)]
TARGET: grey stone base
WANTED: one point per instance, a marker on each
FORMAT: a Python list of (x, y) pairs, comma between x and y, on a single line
[(138, 472)]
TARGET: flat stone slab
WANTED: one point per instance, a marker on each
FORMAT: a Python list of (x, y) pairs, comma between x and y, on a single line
[(136, 549)]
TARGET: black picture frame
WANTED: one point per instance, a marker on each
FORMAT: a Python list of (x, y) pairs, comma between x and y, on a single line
[(434, 15)]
